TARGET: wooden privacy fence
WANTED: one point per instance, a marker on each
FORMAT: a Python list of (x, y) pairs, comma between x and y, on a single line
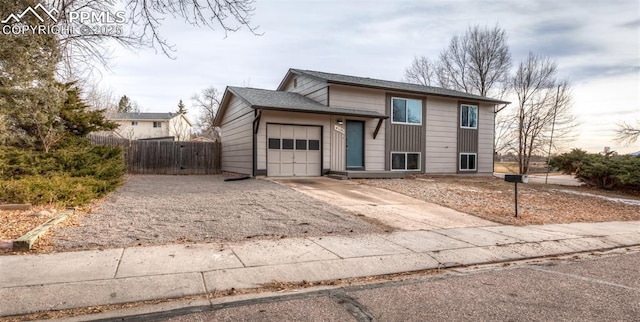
[(166, 157)]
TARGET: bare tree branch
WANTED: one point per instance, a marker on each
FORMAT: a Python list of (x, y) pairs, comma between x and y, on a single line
[(627, 134), (422, 71), (477, 62), (208, 102)]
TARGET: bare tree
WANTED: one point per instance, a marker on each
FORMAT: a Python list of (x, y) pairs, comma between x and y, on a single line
[(477, 62), (208, 102), (627, 134), (180, 129), (421, 71), (504, 139), (544, 109), (133, 24)]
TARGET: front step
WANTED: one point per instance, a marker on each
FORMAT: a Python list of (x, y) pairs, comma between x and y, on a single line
[(343, 175)]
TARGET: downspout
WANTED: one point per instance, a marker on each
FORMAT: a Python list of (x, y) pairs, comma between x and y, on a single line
[(256, 125)]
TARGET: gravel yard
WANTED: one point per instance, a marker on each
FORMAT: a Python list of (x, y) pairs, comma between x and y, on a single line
[(155, 209), (492, 199)]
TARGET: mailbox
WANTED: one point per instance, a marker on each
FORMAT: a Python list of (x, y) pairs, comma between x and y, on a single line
[(517, 178)]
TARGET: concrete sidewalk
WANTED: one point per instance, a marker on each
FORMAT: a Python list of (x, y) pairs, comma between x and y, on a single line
[(32, 283)]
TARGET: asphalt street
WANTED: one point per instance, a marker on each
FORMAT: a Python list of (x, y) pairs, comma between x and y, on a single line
[(596, 288)]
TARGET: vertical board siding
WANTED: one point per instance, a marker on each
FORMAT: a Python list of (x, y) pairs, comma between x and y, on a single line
[(467, 140), (404, 137), (166, 157), (407, 138)]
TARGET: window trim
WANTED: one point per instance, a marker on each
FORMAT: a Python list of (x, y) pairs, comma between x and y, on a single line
[(477, 116), (406, 109), (468, 154), (159, 124), (405, 160)]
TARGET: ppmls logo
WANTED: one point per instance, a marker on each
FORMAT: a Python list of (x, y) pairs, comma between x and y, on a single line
[(79, 22), (34, 12)]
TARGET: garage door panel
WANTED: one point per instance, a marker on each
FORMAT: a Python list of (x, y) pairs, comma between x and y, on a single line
[(273, 156), (300, 157), (293, 150)]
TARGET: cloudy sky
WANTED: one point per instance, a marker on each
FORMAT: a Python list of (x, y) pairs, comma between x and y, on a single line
[(596, 44)]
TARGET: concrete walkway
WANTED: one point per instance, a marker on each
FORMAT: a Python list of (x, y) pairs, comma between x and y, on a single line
[(31, 283), (389, 207)]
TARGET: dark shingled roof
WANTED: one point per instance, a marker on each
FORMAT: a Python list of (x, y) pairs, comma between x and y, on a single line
[(293, 102), (144, 116), (390, 85)]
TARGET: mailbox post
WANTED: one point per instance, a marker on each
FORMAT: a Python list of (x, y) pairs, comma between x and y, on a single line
[(516, 178)]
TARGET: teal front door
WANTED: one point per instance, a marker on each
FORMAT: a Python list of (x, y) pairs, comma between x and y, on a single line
[(355, 145)]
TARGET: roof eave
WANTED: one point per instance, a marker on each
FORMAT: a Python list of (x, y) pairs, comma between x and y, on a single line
[(416, 92), (345, 113)]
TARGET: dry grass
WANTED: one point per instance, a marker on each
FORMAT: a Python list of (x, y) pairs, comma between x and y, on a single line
[(505, 167), (493, 199)]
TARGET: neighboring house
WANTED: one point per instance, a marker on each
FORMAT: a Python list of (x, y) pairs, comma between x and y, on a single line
[(145, 126), (317, 123)]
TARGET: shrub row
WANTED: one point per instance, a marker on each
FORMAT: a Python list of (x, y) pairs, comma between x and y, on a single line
[(71, 175), (605, 171)]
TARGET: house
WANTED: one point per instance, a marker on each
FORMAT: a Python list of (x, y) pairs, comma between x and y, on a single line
[(317, 123), (152, 126)]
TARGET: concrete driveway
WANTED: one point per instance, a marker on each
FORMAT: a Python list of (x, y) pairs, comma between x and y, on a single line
[(391, 208)]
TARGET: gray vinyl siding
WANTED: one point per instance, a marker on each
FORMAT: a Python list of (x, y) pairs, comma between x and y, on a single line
[(309, 87), (485, 138), (237, 137), (360, 99), (404, 137), (441, 139)]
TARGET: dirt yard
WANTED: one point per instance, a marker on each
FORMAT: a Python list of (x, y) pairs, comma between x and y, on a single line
[(493, 199), (155, 209)]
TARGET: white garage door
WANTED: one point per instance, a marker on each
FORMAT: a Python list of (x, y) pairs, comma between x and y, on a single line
[(293, 150)]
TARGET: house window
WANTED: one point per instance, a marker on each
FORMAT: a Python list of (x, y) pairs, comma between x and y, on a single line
[(134, 123), (468, 162), (468, 116), (405, 161), (406, 111), (157, 124), (295, 82)]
